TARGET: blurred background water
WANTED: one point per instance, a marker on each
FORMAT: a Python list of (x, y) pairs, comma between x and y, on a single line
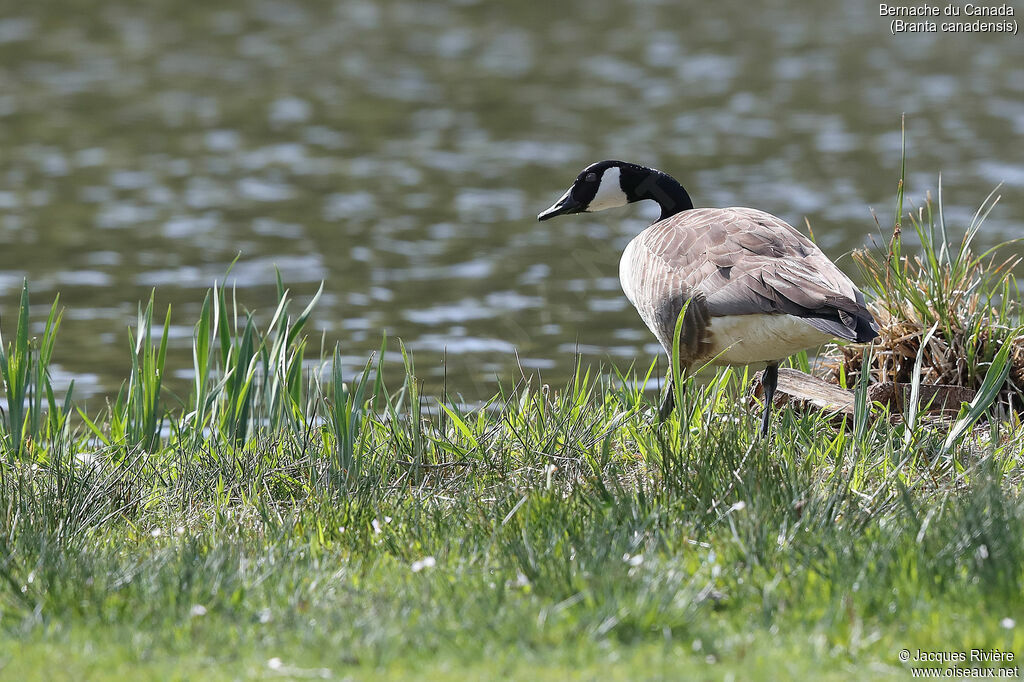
[(399, 150)]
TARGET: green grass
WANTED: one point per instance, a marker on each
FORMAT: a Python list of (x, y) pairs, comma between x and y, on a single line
[(282, 522)]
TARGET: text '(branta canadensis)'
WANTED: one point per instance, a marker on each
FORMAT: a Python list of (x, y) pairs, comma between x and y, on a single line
[(754, 289)]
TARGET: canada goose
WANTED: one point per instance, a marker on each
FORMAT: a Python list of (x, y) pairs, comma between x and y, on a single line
[(758, 290)]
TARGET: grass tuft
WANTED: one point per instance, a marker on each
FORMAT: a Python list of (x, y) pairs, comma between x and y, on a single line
[(947, 315)]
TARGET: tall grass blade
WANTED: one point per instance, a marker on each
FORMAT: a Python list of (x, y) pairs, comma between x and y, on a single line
[(989, 391)]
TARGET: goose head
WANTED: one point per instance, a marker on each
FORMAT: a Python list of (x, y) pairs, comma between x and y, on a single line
[(610, 183)]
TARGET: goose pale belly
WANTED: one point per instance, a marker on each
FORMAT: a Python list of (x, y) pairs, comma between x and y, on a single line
[(748, 339)]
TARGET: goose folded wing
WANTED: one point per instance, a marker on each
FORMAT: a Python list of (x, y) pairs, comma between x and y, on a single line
[(747, 262), (771, 288)]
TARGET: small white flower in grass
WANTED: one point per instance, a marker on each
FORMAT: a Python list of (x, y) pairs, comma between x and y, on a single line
[(265, 616), (1008, 623), (425, 562), (633, 559), (86, 458), (376, 526), (520, 581), (197, 610), (156, 532), (739, 506), (275, 663), (180, 530)]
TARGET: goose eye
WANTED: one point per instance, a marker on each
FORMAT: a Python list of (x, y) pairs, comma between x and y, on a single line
[(591, 177)]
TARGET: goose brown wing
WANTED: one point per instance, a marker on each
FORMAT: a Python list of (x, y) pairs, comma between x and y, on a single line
[(742, 262)]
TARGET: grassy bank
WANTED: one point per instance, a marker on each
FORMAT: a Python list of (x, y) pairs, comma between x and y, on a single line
[(296, 519)]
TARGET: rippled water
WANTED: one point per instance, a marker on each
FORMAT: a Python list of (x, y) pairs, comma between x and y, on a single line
[(400, 150)]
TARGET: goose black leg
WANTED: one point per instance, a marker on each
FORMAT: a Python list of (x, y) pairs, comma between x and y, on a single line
[(769, 379), (668, 401)]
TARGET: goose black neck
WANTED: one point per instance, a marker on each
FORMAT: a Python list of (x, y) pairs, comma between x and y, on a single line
[(648, 183)]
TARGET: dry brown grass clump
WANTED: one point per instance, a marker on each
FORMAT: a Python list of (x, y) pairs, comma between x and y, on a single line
[(948, 308)]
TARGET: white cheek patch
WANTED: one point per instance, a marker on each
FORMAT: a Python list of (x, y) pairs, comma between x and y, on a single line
[(609, 192)]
